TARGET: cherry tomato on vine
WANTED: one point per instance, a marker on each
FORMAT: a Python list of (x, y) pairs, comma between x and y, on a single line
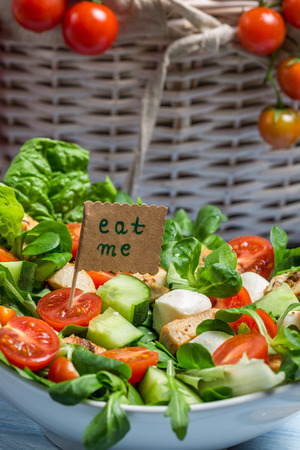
[(242, 298), (74, 229), (232, 350), (254, 254), (288, 76), (252, 325), (137, 358), (53, 308), (89, 28), (62, 369), (261, 30), (291, 11), (39, 15), (279, 127), (6, 314), (29, 342)]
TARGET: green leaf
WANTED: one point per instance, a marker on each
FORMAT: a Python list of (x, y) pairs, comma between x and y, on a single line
[(11, 215), (220, 281), (207, 222), (222, 255), (184, 222), (88, 362), (279, 240), (108, 427), (194, 356), (45, 242), (214, 325), (216, 393), (74, 391), (177, 408), (185, 258)]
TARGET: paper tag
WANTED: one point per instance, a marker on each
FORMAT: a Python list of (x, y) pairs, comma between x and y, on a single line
[(125, 238)]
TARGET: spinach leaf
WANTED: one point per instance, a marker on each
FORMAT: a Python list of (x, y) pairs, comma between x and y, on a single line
[(222, 255), (11, 215), (194, 356), (214, 325), (279, 240), (172, 234), (108, 427), (219, 280), (88, 362), (184, 222), (185, 258), (207, 222), (177, 408), (12, 297), (74, 391)]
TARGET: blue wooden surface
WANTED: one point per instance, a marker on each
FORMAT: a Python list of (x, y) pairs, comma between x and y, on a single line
[(18, 432)]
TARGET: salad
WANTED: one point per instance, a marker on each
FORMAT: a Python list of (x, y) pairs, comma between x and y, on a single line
[(219, 319)]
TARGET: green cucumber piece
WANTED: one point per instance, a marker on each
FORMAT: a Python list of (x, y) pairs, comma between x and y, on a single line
[(112, 330), (23, 273), (153, 388), (275, 302), (127, 295)]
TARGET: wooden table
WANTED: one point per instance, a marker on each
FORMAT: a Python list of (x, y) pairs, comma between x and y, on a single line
[(18, 432)]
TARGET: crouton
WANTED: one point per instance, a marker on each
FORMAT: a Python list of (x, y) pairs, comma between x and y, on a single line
[(180, 331), (290, 278), (63, 279), (75, 340), (274, 362), (28, 223), (157, 283)]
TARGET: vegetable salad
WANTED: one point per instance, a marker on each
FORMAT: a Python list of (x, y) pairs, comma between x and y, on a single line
[(220, 319)]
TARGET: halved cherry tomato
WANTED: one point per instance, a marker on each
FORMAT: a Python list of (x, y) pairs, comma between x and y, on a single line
[(62, 369), (261, 30), (6, 256), (291, 11), (28, 342), (288, 75), (6, 314), (100, 277), (137, 358), (39, 15), (252, 325), (242, 298), (53, 308), (254, 254), (279, 127), (232, 350), (74, 229)]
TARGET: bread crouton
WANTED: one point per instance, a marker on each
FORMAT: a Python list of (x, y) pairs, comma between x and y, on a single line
[(76, 340), (290, 278), (157, 283), (28, 223), (63, 279), (180, 331), (274, 362)]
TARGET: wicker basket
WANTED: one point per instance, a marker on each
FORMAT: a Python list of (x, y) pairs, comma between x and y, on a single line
[(205, 147)]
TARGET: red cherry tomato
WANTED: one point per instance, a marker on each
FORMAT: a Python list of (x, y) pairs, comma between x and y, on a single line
[(74, 229), (53, 308), (254, 254), (232, 350), (6, 256), (39, 15), (6, 314), (252, 325), (28, 342), (261, 30), (288, 76), (279, 127), (291, 11), (89, 28), (137, 358), (100, 277), (242, 298), (62, 369)]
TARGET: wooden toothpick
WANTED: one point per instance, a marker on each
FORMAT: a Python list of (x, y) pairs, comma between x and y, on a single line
[(73, 287)]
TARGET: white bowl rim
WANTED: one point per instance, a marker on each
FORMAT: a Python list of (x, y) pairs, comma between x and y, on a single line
[(205, 406)]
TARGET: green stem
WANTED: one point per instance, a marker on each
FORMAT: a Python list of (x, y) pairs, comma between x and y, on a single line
[(269, 78)]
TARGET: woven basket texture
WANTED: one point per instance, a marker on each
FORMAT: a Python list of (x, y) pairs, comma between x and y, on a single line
[(205, 147)]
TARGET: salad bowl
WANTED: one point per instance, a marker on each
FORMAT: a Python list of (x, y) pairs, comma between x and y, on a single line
[(214, 425)]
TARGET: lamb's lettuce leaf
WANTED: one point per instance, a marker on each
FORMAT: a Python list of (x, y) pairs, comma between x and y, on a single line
[(11, 215)]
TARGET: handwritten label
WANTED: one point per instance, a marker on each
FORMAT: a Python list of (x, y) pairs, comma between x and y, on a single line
[(124, 238)]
